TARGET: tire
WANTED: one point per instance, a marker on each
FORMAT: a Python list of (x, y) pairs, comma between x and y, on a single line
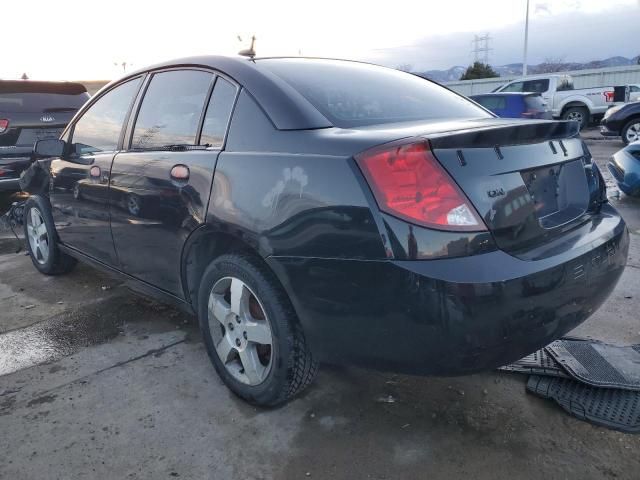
[(42, 239), (275, 373), (579, 114), (631, 131)]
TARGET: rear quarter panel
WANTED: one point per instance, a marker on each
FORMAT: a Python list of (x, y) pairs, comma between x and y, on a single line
[(290, 193), (294, 205)]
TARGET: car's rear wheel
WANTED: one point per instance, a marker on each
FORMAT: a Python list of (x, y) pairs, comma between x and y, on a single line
[(577, 114), (251, 331), (39, 231), (631, 131)]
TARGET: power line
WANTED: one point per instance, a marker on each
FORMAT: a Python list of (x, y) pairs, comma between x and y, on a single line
[(481, 48)]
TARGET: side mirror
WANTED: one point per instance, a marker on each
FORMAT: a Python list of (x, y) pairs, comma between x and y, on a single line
[(50, 147)]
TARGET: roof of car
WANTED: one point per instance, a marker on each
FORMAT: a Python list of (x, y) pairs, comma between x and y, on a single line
[(284, 105), (32, 86), (494, 94), (539, 76)]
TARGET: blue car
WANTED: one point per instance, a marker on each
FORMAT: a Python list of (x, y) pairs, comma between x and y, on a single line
[(625, 168), (514, 104)]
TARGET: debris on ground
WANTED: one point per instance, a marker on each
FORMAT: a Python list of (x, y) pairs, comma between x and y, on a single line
[(386, 399), (591, 380)]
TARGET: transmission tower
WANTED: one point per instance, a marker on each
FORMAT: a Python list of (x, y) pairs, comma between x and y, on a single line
[(481, 48)]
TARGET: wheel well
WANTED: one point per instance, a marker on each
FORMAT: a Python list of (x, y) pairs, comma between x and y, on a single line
[(630, 119), (202, 248), (574, 105)]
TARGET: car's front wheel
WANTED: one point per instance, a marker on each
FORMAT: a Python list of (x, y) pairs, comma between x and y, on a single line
[(631, 131), (251, 331), (577, 114), (39, 231)]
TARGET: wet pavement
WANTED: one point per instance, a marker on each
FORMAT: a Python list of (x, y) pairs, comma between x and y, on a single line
[(96, 382)]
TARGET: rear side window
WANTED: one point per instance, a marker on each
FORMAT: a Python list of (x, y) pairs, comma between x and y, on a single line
[(218, 112), (28, 96), (513, 87), (99, 128), (564, 84), (496, 102), (538, 86), (353, 94), (534, 103), (171, 109)]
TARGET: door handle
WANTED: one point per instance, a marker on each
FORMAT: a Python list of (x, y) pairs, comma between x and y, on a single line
[(180, 173)]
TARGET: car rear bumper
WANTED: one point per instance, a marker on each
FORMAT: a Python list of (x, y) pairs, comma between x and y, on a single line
[(455, 315), (12, 166), (9, 184)]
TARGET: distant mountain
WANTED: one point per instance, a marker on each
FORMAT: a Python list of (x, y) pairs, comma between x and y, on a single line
[(515, 69)]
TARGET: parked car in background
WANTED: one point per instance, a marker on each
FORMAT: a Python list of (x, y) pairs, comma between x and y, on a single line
[(623, 121), (515, 105), (565, 101), (31, 111), (625, 168), (314, 210), (634, 93)]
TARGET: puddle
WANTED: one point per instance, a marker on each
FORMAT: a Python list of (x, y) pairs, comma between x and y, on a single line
[(64, 334)]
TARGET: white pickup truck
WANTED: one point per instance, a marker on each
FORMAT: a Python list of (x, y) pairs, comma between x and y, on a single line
[(565, 102)]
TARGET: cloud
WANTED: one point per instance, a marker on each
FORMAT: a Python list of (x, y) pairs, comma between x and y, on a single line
[(576, 36), (542, 8)]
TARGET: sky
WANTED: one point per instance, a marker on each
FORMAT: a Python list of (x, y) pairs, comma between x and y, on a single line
[(90, 39)]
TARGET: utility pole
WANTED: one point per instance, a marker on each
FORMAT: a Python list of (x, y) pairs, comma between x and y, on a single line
[(526, 41), (481, 48)]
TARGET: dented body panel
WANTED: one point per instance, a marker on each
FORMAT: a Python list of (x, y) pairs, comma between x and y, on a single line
[(368, 287)]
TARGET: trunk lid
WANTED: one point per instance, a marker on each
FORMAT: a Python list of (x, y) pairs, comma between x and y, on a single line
[(25, 128), (529, 181), (35, 111)]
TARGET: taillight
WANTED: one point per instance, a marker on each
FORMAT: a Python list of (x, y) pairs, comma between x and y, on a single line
[(408, 182), (4, 124)]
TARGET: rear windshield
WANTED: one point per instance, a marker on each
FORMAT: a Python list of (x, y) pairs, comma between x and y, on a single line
[(353, 94), (26, 96)]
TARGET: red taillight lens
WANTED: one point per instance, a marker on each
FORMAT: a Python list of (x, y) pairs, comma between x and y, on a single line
[(4, 124), (408, 182)]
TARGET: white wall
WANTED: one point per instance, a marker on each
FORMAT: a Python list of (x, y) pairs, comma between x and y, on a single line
[(600, 77)]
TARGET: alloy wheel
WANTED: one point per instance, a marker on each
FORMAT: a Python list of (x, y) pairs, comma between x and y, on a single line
[(633, 133), (240, 330), (38, 236), (575, 117)]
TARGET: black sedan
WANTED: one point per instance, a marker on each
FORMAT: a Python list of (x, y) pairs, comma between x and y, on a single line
[(312, 210), (622, 121)]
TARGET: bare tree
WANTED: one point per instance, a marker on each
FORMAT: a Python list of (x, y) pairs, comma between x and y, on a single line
[(552, 64)]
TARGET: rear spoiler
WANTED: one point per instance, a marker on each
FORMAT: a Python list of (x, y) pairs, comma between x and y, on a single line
[(503, 135)]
